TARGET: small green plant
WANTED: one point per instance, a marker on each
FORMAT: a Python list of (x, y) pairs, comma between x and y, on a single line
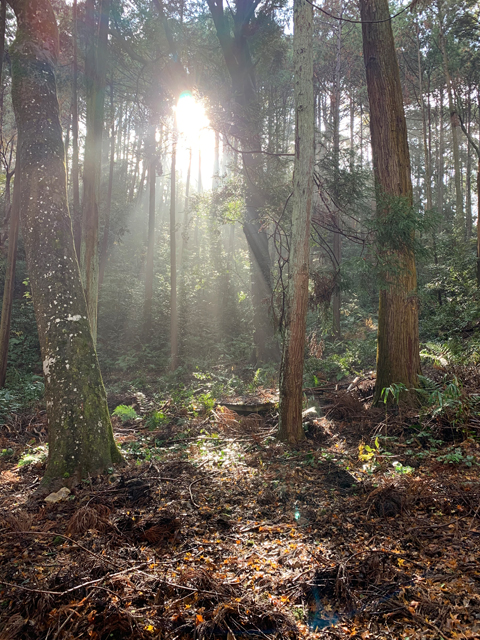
[(207, 401), (155, 420), (447, 399), (394, 390), (125, 413), (456, 456)]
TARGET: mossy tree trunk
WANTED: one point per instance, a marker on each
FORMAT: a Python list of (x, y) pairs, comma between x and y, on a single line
[(79, 428), (398, 358), (291, 370)]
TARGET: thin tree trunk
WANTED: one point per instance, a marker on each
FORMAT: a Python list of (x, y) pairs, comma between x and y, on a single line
[(291, 371), (398, 358), (76, 214), (468, 181), (9, 282), (476, 147), (337, 238), (186, 213), (152, 176), (454, 123), (67, 142), (3, 23), (95, 72), (108, 203), (441, 159), (428, 182), (173, 262)]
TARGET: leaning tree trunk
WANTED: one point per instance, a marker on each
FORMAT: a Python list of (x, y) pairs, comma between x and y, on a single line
[(79, 430), (398, 359), (291, 370)]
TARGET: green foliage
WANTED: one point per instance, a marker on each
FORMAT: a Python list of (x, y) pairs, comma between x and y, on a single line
[(155, 420), (447, 399), (456, 456), (207, 401), (20, 394), (125, 413), (395, 390)]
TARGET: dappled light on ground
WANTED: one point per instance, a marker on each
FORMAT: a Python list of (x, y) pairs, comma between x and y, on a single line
[(214, 529)]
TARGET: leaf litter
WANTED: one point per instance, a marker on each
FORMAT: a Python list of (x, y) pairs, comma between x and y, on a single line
[(214, 529)]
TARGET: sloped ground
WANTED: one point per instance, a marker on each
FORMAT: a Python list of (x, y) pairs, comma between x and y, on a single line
[(215, 530)]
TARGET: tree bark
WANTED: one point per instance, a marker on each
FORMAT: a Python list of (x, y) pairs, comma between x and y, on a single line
[(95, 72), (76, 213), (108, 203), (454, 124), (79, 430), (9, 283), (241, 68), (3, 24), (152, 176), (291, 370), (398, 359), (173, 261), (426, 151), (337, 238)]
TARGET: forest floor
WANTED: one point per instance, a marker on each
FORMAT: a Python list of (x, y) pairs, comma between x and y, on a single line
[(214, 529)]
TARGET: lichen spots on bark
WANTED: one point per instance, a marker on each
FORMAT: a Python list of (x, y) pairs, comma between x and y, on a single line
[(80, 432)]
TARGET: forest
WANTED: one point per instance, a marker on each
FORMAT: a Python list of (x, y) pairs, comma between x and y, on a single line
[(240, 325)]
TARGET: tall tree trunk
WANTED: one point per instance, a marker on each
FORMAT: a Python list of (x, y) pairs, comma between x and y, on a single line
[(291, 370), (426, 152), (441, 159), (454, 124), (476, 147), (468, 180), (3, 23), (248, 127), (108, 203), (80, 434), (95, 72), (337, 238), (9, 282), (152, 177), (173, 261), (398, 359), (76, 213), (186, 213)]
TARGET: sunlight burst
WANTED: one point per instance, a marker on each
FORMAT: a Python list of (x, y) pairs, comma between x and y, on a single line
[(191, 117)]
